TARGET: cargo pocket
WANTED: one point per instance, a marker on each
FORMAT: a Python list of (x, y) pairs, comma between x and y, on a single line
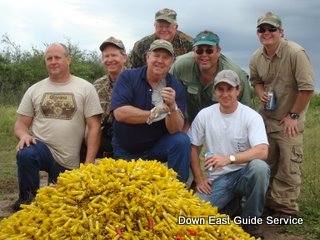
[(296, 159)]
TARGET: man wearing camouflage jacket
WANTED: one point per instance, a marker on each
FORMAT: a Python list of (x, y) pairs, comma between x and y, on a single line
[(166, 28)]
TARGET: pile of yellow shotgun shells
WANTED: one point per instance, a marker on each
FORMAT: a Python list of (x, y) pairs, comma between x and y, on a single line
[(118, 200)]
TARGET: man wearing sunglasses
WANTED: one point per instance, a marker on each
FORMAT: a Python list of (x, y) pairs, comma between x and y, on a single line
[(197, 70), (283, 68)]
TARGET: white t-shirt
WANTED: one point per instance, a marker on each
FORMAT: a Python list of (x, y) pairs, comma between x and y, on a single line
[(59, 111), (226, 134)]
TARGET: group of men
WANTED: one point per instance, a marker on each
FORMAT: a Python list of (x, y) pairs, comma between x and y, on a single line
[(177, 96)]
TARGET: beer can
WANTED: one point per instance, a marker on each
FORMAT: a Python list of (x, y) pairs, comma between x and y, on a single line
[(271, 104), (206, 155)]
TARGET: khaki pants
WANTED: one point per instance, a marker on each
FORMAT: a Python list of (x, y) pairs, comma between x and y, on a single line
[(285, 157)]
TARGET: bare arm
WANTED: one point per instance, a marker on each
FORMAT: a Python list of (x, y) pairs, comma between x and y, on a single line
[(21, 130), (174, 120), (93, 138), (259, 151), (290, 126), (131, 115)]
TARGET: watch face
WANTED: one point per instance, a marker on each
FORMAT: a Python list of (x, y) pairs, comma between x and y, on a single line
[(232, 158), (294, 116)]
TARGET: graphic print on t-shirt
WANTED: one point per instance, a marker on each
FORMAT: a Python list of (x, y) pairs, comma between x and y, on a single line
[(58, 105)]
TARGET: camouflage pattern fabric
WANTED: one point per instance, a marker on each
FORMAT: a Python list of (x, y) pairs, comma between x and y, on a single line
[(104, 88), (182, 43)]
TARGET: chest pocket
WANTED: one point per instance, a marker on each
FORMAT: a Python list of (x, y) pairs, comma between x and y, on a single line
[(192, 90)]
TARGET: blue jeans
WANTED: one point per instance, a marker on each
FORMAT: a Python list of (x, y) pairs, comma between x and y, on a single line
[(172, 148), (30, 161), (250, 182)]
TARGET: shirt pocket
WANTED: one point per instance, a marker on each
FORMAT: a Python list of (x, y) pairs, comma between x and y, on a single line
[(192, 90), (240, 144)]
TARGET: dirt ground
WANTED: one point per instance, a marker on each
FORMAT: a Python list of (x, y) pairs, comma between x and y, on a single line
[(272, 232)]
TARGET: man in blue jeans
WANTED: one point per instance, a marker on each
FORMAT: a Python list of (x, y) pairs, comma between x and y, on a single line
[(52, 118), (235, 135), (148, 106)]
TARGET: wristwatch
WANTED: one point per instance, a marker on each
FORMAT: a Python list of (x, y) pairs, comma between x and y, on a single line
[(232, 158), (294, 116)]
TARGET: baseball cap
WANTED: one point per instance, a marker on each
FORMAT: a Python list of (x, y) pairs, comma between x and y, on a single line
[(161, 44), (227, 76), (206, 38), (166, 14), (113, 41), (269, 18)]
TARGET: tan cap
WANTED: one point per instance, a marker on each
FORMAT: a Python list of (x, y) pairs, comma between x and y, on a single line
[(113, 41), (166, 14), (161, 44), (269, 18), (227, 76)]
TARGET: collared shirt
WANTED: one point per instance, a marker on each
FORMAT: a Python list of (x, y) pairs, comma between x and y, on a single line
[(182, 43), (286, 73), (200, 96), (132, 88)]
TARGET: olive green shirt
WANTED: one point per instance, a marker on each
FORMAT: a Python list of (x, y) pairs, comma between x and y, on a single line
[(182, 43), (199, 95), (286, 73)]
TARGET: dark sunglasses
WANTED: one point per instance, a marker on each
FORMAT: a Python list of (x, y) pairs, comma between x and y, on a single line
[(199, 51), (264, 29)]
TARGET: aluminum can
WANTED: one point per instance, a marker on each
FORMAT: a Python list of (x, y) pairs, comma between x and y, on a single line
[(209, 154), (271, 104)]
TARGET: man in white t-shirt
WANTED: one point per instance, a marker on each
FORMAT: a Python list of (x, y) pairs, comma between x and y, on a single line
[(52, 119), (236, 136)]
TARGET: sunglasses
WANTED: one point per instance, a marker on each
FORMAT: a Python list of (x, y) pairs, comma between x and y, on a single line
[(199, 51), (264, 29)]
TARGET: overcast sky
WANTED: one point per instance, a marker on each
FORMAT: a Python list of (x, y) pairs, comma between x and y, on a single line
[(87, 23)]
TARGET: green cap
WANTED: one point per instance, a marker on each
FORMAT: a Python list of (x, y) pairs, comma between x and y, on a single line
[(227, 76), (269, 18), (113, 41), (210, 39), (166, 14), (161, 44)]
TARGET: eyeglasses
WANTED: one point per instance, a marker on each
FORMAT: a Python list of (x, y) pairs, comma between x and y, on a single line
[(264, 29), (199, 51)]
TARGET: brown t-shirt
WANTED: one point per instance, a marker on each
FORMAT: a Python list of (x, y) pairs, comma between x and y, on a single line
[(59, 111)]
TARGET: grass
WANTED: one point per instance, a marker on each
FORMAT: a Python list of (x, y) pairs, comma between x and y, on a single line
[(8, 142), (310, 190)]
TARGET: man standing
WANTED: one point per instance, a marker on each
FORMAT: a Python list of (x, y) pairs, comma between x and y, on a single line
[(236, 136), (282, 68), (198, 69), (113, 58), (53, 116), (148, 106), (166, 28)]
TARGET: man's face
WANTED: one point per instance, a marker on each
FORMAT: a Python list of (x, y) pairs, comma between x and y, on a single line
[(227, 95), (269, 35), (165, 30), (57, 63), (159, 62), (113, 59), (206, 56)]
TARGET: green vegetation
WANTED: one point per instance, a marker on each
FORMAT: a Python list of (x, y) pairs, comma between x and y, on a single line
[(20, 69)]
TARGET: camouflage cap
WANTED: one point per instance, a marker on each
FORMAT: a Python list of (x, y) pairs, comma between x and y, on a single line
[(161, 44), (166, 14), (269, 18), (206, 38), (227, 76), (111, 40)]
